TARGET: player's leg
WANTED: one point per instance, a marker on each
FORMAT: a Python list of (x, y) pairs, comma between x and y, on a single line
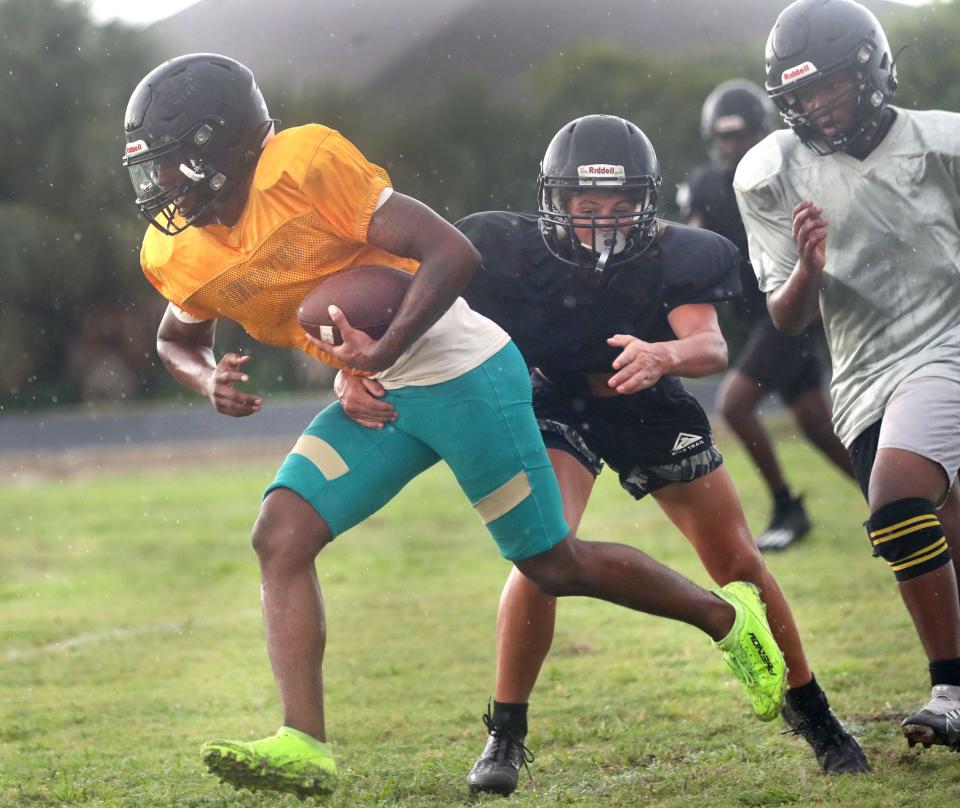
[(770, 362), (525, 620), (812, 411), (707, 511), (287, 537), (483, 425), (907, 464), (737, 401), (746, 384), (950, 519), (337, 474), (525, 623)]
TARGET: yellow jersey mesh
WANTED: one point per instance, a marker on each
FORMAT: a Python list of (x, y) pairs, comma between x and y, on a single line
[(306, 218)]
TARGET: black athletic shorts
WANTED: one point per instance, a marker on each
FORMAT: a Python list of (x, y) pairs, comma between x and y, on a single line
[(649, 447), (863, 453), (780, 363)]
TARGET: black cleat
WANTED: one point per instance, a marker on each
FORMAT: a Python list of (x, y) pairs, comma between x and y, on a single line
[(937, 722), (836, 750), (497, 770), (788, 524)]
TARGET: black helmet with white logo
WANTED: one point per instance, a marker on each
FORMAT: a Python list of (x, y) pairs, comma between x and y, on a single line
[(814, 39), (194, 128), (735, 106), (606, 153)]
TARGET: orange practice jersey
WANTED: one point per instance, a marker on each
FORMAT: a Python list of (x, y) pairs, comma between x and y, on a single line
[(310, 204)]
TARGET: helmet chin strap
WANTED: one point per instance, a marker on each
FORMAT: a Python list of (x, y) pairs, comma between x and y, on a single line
[(612, 243)]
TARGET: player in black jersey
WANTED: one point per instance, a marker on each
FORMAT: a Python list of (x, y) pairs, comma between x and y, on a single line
[(610, 305), (735, 116)]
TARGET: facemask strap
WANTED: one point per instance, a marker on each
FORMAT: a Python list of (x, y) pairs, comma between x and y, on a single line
[(609, 242)]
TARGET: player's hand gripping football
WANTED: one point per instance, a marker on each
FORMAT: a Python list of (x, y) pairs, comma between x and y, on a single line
[(360, 399), (219, 387), (810, 236), (358, 351), (639, 365)]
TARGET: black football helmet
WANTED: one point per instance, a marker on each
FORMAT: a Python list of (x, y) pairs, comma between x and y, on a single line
[(734, 108), (194, 126), (812, 39), (610, 153)]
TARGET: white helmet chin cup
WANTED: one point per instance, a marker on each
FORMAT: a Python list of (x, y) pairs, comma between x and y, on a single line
[(619, 244)]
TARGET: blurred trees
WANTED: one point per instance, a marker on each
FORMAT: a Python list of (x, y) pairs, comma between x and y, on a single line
[(76, 318), (928, 61), (68, 306)]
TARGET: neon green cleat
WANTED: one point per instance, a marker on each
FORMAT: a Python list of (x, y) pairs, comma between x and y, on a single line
[(751, 652), (289, 761)]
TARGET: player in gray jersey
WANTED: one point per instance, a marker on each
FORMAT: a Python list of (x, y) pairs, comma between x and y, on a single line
[(853, 216)]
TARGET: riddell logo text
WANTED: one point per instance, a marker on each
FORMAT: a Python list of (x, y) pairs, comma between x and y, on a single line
[(600, 169), (761, 651), (797, 72)]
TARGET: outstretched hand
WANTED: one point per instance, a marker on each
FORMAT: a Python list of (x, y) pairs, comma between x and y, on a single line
[(219, 387), (639, 365)]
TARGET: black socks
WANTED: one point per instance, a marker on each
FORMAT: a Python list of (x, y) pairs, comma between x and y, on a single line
[(511, 717)]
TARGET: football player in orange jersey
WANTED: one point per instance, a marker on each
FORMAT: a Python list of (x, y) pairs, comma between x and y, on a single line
[(245, 222)]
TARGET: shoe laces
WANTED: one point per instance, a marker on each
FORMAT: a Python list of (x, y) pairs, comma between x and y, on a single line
[(821, 730), (743, 672), (506, 741)]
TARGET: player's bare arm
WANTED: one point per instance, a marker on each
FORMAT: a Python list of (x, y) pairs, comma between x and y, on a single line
[(698, 350), (796, 304), (361, 399), (405, 227), (186, 350)]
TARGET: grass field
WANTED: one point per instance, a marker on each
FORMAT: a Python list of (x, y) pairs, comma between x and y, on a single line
[(130, 625)]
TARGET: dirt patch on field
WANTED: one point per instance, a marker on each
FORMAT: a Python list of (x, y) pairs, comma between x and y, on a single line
[(29, 468)]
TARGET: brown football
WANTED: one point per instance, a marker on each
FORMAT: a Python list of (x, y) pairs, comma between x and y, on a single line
[(369, 297)]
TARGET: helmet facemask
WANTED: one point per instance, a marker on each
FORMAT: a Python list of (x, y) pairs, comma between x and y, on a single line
[(611, 240), (171, 173), (868, 99)]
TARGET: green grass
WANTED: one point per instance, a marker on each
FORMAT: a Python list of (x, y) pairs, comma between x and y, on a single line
[(129, 617)]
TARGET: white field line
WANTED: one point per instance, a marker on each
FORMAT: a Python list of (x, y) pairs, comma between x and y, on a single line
[(113, 635)]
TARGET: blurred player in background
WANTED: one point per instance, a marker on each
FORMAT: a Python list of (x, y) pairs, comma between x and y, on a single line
[(243, 224), (735, 117), (852, 215), (611, 305)]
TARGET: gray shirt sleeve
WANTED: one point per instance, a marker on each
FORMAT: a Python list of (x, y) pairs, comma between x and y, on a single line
[(769, 234)]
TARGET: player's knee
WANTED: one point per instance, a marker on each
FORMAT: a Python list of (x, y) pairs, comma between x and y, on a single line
[(554, 573), (550, 579), (726, 403), (283, 538), (746, 564), (907, 534)]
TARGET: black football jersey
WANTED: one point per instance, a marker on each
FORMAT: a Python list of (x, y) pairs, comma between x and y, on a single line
[(711, 196), (561, 321)]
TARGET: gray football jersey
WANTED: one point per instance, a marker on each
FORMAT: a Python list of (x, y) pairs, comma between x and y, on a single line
[(891, 297)]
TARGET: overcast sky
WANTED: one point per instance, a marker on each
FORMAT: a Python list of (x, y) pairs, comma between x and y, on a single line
[(145, 11), (132, 11)]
